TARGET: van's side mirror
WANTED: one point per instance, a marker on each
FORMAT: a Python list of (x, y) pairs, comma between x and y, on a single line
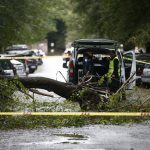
[(65, 65)]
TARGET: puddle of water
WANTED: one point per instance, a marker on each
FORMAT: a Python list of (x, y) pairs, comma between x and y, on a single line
[(72, 138), (78, 136)]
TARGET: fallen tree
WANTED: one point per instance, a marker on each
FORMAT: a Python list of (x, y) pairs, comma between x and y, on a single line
[(88, 94), (85, 94), (62, 89)]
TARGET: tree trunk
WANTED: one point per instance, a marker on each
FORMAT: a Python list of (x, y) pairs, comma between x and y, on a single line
[(60, 88), (89, 100)]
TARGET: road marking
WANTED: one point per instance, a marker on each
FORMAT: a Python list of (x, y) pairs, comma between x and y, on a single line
[(134, 114)]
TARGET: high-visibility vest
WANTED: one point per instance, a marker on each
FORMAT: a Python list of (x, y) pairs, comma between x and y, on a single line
[(111, 68)]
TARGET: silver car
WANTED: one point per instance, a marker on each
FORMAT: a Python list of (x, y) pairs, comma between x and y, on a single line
[(20, 68), (146, 74), (6, 68)]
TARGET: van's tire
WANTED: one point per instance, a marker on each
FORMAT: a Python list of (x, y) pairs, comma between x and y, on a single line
[(31, 70)]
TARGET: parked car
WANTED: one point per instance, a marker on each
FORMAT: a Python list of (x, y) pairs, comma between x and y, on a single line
[(146, 74), (100, 49), (31, 63), (38, 52), (20, 68), (6, 68), (17, 49), (141, 61), (19, 64), (22, 50)]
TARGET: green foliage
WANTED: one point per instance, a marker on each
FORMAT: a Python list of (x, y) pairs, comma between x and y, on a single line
[(27, 21), (7, 88), (23, 122), (9, 102), (114, 101), (114, 104), (125, 21)]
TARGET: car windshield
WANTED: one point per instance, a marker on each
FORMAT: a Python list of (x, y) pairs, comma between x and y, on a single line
[(147, 66), (5, 64)]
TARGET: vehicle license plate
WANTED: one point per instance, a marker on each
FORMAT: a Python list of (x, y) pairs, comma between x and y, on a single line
[(33, 67)]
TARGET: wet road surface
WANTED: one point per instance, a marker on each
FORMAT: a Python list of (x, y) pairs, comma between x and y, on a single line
[(50, 68), (108, 137)]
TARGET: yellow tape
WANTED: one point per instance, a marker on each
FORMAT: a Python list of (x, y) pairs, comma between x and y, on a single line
[(135, 114), (143, 62), (33, 57)]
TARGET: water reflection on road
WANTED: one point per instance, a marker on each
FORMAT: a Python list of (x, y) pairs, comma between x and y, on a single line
[(107, 137)]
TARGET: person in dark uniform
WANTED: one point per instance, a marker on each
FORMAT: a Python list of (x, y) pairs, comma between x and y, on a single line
[(88, 63)]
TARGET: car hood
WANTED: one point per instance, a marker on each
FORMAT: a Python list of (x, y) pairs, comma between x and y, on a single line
[(15, 62)]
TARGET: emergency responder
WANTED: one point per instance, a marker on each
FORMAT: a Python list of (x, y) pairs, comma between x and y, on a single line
[(113, 73), (88, 63)]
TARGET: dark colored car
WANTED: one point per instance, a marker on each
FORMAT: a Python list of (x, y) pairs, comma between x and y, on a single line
[(32, 64)]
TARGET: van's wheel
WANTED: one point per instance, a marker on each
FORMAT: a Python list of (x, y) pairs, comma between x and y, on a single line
[(31, 70)]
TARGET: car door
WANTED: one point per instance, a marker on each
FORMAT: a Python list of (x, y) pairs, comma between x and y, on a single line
[(128, 68)]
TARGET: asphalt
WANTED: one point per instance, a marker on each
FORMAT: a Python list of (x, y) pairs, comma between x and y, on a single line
[(101, 137)]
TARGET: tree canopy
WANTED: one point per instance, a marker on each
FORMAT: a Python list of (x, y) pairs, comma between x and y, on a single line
[(27, 21), (125, 21)]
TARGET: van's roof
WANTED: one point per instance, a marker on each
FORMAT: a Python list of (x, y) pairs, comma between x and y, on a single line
[(93, 42), (96, 50)]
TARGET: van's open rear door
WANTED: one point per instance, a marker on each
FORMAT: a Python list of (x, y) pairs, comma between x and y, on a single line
[(128, 68)]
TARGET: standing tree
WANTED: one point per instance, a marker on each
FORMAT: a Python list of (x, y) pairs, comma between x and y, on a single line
[(26, 21), (125, 21)]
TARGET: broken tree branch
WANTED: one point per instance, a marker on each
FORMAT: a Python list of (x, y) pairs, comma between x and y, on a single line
[(124, 84), (60, 88), (40, 93)]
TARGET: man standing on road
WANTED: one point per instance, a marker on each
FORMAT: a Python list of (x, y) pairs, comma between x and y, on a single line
[(114, 73)]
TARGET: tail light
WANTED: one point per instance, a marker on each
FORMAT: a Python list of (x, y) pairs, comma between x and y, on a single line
[(28, 61), (71, 69)]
